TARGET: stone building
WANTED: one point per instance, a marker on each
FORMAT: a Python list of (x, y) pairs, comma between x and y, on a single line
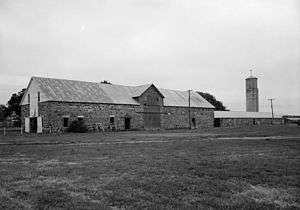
[(52, 104), (245, 119)]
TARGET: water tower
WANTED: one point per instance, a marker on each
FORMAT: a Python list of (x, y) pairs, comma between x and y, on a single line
[(252, 104)]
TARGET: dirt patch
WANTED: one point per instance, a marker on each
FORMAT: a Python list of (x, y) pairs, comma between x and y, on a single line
[(280, 197)]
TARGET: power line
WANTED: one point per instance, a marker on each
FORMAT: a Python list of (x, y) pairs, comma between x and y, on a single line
[(271, 100), (190, 126)]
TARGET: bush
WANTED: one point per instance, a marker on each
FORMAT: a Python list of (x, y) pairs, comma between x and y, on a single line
[(78, 126)]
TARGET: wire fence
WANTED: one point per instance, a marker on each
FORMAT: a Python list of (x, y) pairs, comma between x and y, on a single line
[(5, 131)]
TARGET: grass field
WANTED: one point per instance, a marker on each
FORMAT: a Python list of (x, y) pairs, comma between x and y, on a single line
[(205, 169)]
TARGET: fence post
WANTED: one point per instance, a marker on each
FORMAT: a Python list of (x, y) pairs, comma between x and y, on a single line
[(21, 130), (4, 131)]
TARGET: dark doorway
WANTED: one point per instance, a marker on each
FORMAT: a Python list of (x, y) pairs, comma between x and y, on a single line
[(33, 124), (127, 123), (193, 122), (217, 122)]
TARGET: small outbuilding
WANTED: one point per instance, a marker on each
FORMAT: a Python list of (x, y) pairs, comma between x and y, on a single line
[(291, 119), (245, 119)]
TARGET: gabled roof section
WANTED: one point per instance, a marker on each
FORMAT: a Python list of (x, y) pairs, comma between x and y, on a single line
[(181, 99), (25, 94), (71, 90), (92, 92), (119, 94), (157, 90), (139, 90)]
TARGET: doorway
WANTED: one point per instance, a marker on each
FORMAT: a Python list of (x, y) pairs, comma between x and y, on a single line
[(127, 123), (193, 123), (33, 125), (152, 120), (217, 122)]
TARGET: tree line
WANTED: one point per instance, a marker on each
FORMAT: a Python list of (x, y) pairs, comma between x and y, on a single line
[(13, 105)]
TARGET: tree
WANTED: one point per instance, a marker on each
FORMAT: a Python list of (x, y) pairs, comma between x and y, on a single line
[(14, 102), (106, 82), (3, 112), (211, 99)]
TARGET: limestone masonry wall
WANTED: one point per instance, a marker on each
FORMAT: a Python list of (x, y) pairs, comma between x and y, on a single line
[(178, 117), (53, 113), (246, 122)]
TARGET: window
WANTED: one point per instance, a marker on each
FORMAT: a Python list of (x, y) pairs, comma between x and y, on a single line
[(39, 96), (65, 121), (80, 118), (254, 122), (28, 97), (112, 120)]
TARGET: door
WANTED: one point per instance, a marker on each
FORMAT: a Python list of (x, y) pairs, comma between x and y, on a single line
[(127, 123), (217, 122), (27, 126), (39, 125), (33, 124), (194, 123), (152, 120)]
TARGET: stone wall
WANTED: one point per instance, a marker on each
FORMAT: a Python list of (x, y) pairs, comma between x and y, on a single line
[(24, 113), (178, 117), (246, 122), (53, 113)]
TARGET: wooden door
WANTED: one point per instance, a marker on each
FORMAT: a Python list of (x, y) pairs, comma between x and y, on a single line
[(39, 125), (27, 126), (152, 120), (33, 124)]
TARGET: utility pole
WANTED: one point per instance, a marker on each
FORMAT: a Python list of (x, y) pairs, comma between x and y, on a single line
[(271, 100), (190, 126)]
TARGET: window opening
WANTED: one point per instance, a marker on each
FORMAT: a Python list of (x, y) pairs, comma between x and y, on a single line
[(217, 122), (112, 120), (39, 97), (66, 121)]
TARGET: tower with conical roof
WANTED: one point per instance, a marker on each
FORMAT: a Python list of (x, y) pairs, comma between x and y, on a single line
[(252, 103)]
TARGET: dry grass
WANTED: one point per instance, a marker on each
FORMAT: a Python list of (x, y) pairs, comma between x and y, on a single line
[(165, 170)]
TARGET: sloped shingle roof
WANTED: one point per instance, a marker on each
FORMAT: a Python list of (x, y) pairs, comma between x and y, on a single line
[(79, 91)]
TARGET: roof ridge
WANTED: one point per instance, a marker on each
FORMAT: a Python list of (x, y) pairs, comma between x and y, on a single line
[(33, 77), (177, 90)]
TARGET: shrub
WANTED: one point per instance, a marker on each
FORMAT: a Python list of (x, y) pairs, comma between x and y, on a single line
[(78, 126)]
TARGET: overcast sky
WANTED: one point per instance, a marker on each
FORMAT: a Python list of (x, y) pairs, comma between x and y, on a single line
[(207, 45)]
